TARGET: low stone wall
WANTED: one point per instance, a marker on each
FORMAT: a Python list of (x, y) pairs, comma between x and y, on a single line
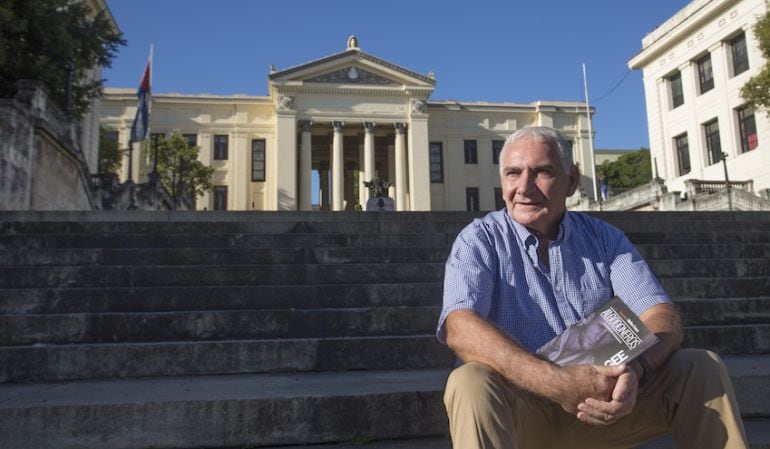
[(41, 165)]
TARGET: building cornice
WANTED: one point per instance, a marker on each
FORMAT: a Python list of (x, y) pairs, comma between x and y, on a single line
[(127, 94), (352, 89), (481, 106), (674, 30)]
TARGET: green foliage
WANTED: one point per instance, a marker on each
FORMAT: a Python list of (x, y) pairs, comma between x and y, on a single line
[(174, 155), (110, 154), (756, 91), (630, 170), (38, 38)]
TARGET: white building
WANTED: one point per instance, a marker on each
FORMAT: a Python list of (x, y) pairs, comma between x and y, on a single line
[(694, 66), (344, 119)]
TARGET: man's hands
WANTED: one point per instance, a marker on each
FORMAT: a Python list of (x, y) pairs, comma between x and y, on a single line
[(596, 411)]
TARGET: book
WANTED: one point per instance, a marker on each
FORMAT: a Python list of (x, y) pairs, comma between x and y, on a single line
[(611, 335)]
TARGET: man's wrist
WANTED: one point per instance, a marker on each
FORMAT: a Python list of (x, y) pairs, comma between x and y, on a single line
[(642, 369)]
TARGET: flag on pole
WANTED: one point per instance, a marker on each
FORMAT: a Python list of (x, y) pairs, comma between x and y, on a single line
[(140, 130)]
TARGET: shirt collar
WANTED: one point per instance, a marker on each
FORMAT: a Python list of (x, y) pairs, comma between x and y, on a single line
[(565, 230)]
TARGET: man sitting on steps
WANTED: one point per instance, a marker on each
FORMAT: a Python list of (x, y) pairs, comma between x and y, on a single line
[(517, 278)]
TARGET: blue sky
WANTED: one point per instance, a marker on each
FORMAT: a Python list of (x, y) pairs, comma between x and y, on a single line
[(500, 51)]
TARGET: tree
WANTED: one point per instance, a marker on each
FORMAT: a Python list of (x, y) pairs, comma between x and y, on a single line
[(756, 91), (175, 156), (110, 154), (628, 171), (43, 39)]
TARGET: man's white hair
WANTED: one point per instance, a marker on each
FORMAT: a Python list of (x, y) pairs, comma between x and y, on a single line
[(541, 134)]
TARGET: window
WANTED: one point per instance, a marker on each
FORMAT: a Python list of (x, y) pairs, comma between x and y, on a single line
[(436, 162), (713, 146), (682, 154), (220, 147), (220, 197), (705, 74), (472, 198), (111, 135), (677, 94), (499, 201), (497, 148), (739, 54), (747, 128), (471, 153), (192, 139), (258, 160)]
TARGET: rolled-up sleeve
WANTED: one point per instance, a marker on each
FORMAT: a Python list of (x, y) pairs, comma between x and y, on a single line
[(632, 279), (468, 275)]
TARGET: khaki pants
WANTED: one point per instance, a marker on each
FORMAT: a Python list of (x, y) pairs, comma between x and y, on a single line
[(691, 396)]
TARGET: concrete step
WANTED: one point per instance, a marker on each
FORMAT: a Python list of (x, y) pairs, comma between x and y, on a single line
[(223, 240), (652, 251), (219, 256), (757, 433), (215, 325), (717, 287), (297, 255), (189, 275), (715, 311), (393, 226), (166, 356), (48, 362), (729, 339), (29, 276), (730, 235), (362, 238), (225, 297), (249, 221), (260, 410), (718, 267), (736, 322)]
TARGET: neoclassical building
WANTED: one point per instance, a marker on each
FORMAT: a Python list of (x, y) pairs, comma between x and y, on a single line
[(338, 121), (694, 66)]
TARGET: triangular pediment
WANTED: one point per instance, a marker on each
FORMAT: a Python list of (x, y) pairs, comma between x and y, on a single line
[(352, 66)]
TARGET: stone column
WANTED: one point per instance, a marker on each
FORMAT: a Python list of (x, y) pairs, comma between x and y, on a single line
[(400, 168), (338, 175), (282, 168), (305, 167), (368, 155)]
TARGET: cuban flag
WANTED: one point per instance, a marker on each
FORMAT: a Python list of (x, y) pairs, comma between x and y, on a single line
[(140, 130)]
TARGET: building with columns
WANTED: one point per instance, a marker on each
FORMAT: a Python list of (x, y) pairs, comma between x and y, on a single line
[(345, 119), (694, 66)]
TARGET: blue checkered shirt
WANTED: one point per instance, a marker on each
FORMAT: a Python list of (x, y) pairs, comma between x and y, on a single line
[(494, 270)]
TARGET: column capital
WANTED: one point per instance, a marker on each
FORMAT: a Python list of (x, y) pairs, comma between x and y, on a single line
[(369, 127), (400, 127), (338, 124), (305, 125)]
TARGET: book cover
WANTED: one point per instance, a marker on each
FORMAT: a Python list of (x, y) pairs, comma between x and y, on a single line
[(611, 335)]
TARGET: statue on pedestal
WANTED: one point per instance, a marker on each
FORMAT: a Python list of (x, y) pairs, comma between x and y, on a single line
[(378, 195)]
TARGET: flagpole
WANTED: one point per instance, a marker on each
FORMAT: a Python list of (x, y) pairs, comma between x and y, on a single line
[(590, 135)]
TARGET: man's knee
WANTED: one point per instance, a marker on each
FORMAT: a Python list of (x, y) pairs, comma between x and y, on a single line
[(697, 360), (475, 382)]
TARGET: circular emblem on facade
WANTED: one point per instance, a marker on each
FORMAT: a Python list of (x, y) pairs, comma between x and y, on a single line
[(353, 73)]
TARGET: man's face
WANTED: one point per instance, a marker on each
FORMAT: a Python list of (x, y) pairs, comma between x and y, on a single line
[(536, 185)]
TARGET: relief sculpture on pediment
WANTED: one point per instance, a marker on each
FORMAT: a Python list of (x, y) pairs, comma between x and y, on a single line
[(350, 74)]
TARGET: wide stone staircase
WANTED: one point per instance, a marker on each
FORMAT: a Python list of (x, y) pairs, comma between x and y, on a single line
[(206, 329)]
